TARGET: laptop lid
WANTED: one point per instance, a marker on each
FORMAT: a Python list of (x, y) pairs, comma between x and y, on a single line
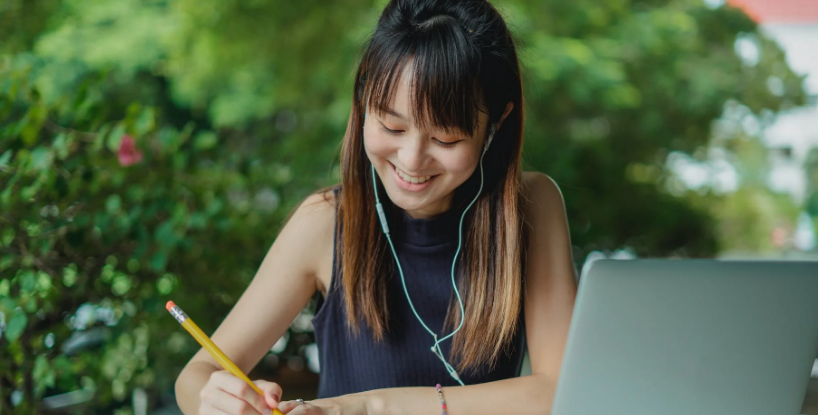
[(668, 337)]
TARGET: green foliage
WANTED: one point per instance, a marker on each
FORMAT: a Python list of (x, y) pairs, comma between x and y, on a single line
[(811, 168), (613, 88), (82, 227), (236, 109), (751, 205)]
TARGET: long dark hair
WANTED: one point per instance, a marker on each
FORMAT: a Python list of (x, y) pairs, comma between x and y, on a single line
[(464, 61)]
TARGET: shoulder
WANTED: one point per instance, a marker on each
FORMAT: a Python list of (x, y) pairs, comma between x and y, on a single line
[(319, 204), (541, 196), (314, 216), (535, 180), (315, 211)]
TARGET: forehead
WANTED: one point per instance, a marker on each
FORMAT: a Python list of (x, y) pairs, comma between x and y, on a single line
[(404, 88), (426, 97)]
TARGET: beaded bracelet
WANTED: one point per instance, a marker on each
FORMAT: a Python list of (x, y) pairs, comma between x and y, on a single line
[(440, 395)]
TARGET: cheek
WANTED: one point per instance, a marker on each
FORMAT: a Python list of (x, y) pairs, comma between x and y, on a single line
[(376, 145), (462, 164)]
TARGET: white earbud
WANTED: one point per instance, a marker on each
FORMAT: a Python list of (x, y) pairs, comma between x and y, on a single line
[(490, 137)]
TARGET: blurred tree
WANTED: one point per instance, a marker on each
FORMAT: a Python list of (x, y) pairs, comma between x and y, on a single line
[(614, 87), (98, 229), (22, 22), (150, 148), (811, 169), (749, 216)]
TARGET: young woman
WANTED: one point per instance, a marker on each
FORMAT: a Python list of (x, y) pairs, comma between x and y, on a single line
[(439, 261)]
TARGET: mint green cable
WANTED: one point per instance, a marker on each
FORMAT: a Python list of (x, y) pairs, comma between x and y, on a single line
[(436, 347)]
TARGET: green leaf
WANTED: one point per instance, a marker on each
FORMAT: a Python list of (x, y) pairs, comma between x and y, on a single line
[(812, 204), (133, 265), (8, 237), (107, 273), (41, 159), (115, 137), (43, 281), (33, 230), (6, 262), (214, 207), (27, 193), (33, 123), (146, 122), (16, 325), (27, 281), (159, 261), (63, 366), (165, 234), (69, 277), (4, 159), (165, 284), (4, 288), (5, 196), (205, 140), (122, 284), (113, 203), (7, 305), (61, 146), (30, 304), (43, 374), (197, 220)]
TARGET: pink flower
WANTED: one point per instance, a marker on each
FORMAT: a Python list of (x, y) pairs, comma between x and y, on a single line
[(128, 154)]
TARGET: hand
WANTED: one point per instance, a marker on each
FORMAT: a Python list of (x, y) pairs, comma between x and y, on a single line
[(342, 405), (226, 394)]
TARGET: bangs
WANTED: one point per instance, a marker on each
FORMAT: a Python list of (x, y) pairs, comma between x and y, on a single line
[(445, 93)]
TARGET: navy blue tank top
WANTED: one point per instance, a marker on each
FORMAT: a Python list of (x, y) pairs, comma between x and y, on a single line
[(355, 363)]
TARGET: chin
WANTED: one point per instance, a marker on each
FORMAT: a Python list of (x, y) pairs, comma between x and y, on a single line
[(406, 202), (428, 203)]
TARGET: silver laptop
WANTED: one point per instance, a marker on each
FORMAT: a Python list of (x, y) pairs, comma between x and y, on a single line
[(691, 337)]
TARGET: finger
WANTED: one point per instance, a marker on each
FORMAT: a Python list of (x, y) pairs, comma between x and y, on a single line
[(241, 390), (303, 410), (287, 406), (272, 392), (309, 408), (210, 410), (230, 404)]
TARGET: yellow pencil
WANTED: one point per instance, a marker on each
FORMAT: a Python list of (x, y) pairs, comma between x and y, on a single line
[(211, 347)]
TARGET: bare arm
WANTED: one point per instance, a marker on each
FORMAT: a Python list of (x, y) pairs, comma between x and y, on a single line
[(549, 300), (281, 288)]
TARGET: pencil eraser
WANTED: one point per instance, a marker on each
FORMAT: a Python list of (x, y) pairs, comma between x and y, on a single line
[(170, 305)]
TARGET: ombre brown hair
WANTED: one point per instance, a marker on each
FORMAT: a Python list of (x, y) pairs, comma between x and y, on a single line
[(464, 61)]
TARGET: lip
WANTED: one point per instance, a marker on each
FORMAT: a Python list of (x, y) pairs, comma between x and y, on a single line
[(409, 186)]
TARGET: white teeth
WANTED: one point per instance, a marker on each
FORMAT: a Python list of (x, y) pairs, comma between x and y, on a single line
[(412, 179)]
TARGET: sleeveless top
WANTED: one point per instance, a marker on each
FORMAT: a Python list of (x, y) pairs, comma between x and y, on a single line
[(352, 363)]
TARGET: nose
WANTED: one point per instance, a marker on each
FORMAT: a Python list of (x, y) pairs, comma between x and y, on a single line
[(412, 154)]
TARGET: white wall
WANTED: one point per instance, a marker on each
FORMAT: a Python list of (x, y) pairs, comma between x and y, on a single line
[(796, 129)]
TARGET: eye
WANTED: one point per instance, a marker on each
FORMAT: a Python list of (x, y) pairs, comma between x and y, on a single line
[(446, 144), (390, 131)]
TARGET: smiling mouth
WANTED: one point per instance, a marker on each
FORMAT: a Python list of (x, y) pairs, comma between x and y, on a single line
[(412, 179)]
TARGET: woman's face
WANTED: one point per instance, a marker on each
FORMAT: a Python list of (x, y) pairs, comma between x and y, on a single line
[(419, 168)]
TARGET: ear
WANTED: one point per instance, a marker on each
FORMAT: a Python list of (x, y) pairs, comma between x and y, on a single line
[(509, 107)]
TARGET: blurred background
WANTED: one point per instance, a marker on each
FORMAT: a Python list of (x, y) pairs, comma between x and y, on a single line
[(150, 149)]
